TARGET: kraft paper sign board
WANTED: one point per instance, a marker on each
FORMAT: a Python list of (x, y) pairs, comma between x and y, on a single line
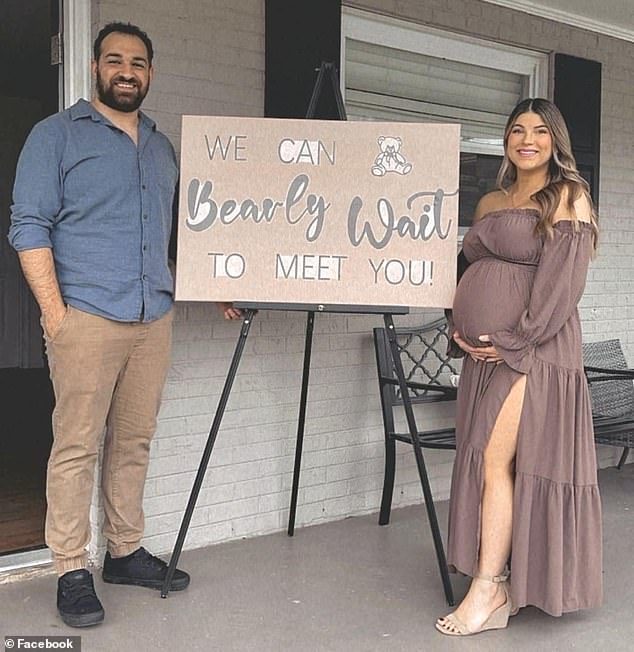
[(317, 212)]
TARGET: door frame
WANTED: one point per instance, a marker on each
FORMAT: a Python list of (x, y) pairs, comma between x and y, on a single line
[(74, 83)]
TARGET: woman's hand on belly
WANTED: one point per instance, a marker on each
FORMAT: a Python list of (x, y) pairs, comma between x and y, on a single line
[(485, 353)]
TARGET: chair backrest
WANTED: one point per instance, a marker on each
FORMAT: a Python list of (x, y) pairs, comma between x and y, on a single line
[(610, 398), (423, 352)]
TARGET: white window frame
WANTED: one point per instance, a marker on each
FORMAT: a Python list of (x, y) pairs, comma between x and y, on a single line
[(391, 32)]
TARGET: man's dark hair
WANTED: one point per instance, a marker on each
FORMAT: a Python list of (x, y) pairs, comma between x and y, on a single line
[(122, 28)]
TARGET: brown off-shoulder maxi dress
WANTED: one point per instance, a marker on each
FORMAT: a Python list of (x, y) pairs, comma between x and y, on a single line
[(523, 291)]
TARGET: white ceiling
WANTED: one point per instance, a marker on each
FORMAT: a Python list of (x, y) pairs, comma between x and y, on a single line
[(612, 17)]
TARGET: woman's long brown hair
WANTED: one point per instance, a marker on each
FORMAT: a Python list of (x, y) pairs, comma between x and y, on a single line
[(562, 169)]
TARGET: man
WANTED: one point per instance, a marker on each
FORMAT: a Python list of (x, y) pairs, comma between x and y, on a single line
[(91, 221)]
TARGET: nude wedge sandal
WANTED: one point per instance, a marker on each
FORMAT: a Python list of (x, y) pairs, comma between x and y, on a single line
[(498, 619)]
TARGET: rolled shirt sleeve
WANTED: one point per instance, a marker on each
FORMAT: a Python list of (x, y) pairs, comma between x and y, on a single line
[(37, 193)]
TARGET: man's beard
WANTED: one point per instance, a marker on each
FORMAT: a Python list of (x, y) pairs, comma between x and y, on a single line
[(128, 102)]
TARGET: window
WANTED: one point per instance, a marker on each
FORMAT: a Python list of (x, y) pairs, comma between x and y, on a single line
[(396, 70)]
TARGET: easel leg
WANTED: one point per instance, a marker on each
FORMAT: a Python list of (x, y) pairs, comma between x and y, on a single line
[(301, 421), (420, 462), (202, 468)]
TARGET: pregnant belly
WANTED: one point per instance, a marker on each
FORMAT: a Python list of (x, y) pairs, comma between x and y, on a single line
[(491, 296)]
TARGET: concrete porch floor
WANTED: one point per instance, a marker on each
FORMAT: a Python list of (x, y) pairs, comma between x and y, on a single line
[(349, 586)]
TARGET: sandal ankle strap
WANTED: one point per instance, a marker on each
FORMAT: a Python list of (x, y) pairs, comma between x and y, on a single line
[(495, 579)]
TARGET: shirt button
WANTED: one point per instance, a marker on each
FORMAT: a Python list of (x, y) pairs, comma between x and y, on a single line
[(145, 217), (143, 186), (144, 247), (145, 277)]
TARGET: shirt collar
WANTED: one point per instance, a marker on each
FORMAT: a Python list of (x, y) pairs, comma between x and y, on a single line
[(84, 109)]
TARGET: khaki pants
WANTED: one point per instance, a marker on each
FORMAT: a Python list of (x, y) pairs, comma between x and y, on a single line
[(105, 374)]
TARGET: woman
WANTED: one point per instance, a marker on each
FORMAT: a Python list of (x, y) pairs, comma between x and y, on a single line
[(524, 486)]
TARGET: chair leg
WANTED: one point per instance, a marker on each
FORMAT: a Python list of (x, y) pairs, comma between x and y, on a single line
[(624, 454), (388, 482)]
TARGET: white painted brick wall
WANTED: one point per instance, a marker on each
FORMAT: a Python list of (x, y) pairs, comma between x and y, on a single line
[(210, 60)]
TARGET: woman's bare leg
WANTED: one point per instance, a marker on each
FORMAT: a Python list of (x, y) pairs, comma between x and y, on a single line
[(483, 596)]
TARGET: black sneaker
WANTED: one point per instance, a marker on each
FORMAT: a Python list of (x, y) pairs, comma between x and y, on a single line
[(77, 602), (141, 569)]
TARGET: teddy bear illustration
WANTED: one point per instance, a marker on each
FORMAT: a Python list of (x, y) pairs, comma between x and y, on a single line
[(390, 159)]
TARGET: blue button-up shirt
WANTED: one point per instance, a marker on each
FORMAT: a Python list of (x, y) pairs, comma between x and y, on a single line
[(104, 206)]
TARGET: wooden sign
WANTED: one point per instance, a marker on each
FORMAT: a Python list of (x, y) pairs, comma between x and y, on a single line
[(317, 212)]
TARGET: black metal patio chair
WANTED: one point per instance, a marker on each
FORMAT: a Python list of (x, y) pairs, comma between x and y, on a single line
[(612, 394)]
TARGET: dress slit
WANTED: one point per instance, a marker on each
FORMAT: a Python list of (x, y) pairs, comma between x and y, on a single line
[(511, 415), (491, 386)]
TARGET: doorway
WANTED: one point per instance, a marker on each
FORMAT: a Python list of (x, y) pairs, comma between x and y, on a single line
[(29, 92)]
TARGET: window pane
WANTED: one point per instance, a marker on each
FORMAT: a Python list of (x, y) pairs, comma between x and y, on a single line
[(478, 173), (384, 83)]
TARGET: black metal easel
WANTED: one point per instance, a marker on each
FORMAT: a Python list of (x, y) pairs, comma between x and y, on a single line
[(326, 70)]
